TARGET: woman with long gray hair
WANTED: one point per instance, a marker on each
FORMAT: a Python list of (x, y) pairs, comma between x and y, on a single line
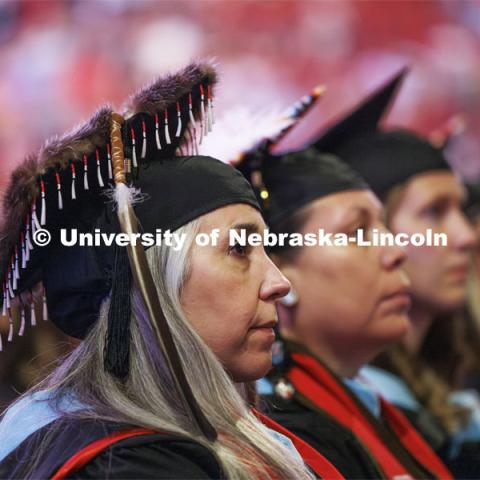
[(172, 333)]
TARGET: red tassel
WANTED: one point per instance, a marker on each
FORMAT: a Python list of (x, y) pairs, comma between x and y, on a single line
[(43, 214), (109, 158), (167, 133), (74, 176), (134, 153), (211, 119), (35, 222), (59, 190), (193, 124), (23, 249), (179, 121), (157, 135), (27, 236), (33, 317), (99, 172), (202, 115), (144, 139), (85, 172), (21, 331), (9, 289), (44, 307), (4, 306), (10, 326), (17, 269)]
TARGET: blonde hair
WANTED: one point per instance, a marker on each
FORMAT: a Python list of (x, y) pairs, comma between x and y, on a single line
[(244, 448)]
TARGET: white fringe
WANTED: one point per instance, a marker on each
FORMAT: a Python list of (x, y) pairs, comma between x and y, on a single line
[(60, 200), (33, 318), (10, 330), (22, 323), (144, 145), (43, 214), (44, 309)]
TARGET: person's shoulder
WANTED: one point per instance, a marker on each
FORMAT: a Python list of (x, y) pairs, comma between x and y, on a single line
[(338, 444), (87, 444), (159, 456)]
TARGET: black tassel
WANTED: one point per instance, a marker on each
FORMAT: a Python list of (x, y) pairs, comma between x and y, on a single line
[(117, 346)]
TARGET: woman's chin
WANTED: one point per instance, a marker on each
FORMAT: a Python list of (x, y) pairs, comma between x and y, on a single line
[(253, 369), (395, 329), (397, 332)]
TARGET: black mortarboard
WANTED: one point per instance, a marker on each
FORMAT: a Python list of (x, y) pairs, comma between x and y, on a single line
[(383, 158), (363, 120), (71, 184), (292, 180), (386, 159)]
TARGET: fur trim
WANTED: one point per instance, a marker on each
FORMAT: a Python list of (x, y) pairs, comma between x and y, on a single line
[(16, 204), (84, 139), (23, 187), (165, 91)]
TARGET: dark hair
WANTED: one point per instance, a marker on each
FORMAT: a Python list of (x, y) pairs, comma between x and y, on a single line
[(294, 223)]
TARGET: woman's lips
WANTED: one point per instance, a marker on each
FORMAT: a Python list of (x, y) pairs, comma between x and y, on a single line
[(399, 298), (265, 328), (458, 273), (267, 324)]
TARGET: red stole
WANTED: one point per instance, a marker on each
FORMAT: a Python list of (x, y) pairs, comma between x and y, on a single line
[(315, 460), (316, 384), (88, 453)]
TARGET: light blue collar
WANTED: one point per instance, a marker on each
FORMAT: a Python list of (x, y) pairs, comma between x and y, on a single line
[(390, 387), (27, 415), (264, 386), (285, 441), (365, 394)]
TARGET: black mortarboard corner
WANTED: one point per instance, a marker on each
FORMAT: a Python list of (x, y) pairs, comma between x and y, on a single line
[(383, 158), (71, 183), (286, 182)]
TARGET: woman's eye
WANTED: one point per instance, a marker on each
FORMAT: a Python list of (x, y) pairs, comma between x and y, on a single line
[(238, 249), (434, 211), (357, 231)]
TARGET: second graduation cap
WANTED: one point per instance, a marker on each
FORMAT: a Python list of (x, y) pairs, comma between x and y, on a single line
[(383, 158)]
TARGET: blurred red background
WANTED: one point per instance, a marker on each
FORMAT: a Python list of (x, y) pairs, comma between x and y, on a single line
[(59, 60)]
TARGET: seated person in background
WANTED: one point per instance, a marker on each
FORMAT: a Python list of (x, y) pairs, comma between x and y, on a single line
[(423, 373)]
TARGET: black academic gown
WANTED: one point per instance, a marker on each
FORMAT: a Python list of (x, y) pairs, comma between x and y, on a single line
[(466, 465), (326, 434), (150, 456)]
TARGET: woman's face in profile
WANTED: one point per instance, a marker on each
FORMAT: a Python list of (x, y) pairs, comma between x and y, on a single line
[(438, 274), (230, 293), (353, 300)]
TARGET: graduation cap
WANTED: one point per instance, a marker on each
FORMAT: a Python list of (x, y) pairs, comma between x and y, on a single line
[(149, 152), (383, 158)]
